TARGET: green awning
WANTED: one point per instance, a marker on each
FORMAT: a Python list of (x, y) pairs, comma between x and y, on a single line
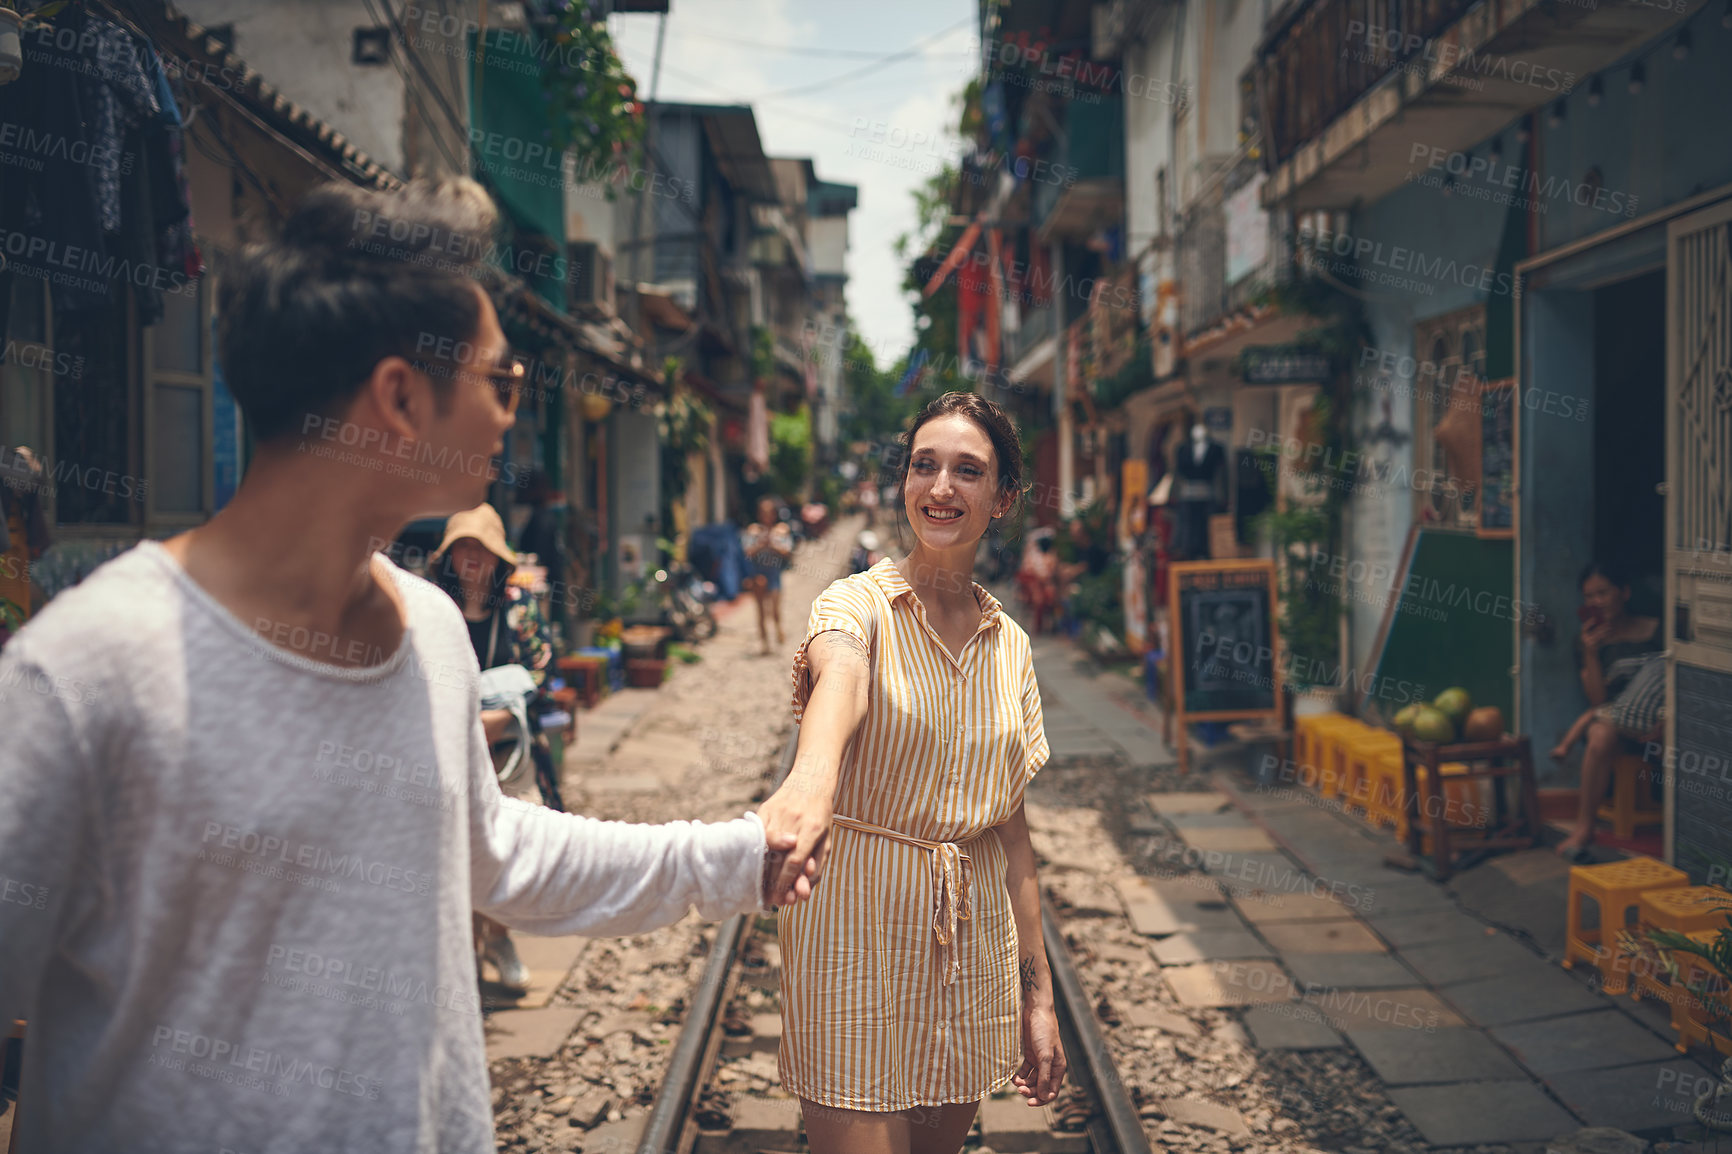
[(512, 152)]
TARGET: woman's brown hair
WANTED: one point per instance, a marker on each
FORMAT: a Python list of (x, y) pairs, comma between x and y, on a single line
[(993, 421)]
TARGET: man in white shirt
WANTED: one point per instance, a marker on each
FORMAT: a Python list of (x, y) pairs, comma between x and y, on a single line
[(246, 806)]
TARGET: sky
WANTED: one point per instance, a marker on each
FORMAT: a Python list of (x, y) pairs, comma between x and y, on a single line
[(816, 79)]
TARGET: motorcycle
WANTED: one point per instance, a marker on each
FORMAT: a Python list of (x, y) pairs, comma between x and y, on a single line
[(866, 553), (686, 602)]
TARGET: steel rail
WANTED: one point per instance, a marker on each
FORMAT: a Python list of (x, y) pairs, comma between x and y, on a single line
[(664, 1130), (1099, 1075)]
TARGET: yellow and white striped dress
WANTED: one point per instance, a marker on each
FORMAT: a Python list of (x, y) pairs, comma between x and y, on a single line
[(899, 975)]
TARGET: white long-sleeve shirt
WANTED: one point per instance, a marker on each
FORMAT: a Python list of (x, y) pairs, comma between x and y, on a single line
[(235, 883)]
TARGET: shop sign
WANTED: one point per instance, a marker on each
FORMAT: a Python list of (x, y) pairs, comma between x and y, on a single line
[(1285, 365)]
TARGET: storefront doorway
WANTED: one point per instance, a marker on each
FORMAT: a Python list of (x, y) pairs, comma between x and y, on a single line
[(1628, 413), (1592, 452)]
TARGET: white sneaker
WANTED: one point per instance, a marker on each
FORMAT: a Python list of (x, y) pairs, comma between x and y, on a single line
[(513, 974)]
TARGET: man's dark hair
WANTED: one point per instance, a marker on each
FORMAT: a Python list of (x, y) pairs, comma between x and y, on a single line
[(357, 276)]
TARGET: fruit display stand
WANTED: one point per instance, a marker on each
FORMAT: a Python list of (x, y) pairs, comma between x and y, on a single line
[(1506, 765)]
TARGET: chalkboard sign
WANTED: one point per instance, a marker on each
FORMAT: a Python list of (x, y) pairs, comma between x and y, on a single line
[(1497, 459), (1224, 633)]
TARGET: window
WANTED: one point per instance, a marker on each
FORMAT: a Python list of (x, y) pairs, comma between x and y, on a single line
[(177, 390), (26, 368)]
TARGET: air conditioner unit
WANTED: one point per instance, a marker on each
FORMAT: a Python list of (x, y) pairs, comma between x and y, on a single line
[(589, 278)]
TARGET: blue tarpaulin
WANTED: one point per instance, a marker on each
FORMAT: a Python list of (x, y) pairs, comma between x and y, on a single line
[(715, 553)]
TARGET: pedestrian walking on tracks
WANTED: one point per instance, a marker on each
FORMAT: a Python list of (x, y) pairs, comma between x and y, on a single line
[(246, 803), (915, 981)]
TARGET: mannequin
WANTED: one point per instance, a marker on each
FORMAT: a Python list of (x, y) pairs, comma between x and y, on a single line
[(1198, 464)]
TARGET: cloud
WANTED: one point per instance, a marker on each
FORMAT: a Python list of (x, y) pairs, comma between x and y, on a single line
[(703, 62)]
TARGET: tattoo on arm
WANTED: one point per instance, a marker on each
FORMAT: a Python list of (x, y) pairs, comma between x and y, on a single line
[(840, 662), (1025, 972)]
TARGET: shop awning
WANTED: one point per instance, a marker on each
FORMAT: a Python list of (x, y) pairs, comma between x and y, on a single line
[(513, 154)]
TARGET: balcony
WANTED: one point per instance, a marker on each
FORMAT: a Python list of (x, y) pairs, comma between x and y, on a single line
[(1347, 88), (1227, 251), (1036, 327), (1081, 186)]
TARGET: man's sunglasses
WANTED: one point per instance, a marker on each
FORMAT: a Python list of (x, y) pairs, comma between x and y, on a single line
[(508, 379)]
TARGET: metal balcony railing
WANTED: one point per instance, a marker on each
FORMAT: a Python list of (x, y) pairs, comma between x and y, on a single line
[(1206, 293), (1322, 55), (1035, 327)]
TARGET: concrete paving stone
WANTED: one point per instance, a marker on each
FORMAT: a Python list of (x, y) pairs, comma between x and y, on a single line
[(1482, 1113), (620, 1137), (1528, 866), (1215, 984), (1295, 901), (1350, 971), (537, 1033), (1525, 995), (1345, 936), (1011, 1126), (1209, 946), (1456, 1054), (1163, 907), (1142, 1016), (548, 960), (1229, 819), (1248, 839), (1650, 1096), (1195, 1112), (1290, 1026), (1403, 930), (1469, 959), (1141, 821), (1590, 1041), (1392, 894), (1249, 870), (1158, 917), (1411, 1011), (1168, 804)]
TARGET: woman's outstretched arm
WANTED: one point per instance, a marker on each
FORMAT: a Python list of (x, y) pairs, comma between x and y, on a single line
[(840, 673)]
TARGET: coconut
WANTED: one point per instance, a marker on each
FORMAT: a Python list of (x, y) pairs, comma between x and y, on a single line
[(1403, 719), (1431, 724), (1483, 724), (1455, 702)]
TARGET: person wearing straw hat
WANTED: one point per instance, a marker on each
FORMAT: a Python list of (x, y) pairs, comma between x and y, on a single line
[(474, 565), (246, 802)]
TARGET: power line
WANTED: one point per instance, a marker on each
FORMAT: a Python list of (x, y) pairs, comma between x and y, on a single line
[(796, 49), (832, 81)]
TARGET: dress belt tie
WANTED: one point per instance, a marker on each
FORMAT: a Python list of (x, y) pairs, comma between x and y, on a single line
[(952, 877)]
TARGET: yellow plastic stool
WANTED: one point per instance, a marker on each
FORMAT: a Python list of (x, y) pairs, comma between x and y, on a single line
[(1309, 743), (1360, 751), (1618, 888), (1687, 1017), (1332, 768), (1687, 910)]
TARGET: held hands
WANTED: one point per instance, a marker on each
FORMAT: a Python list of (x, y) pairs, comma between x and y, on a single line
[(1043, 1061), (797, 823), (769, 893)]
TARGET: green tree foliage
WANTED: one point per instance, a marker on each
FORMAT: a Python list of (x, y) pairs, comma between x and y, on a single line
[(791, 452)]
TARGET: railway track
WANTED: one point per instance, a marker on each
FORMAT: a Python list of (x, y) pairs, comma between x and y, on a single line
[(683, 1118)]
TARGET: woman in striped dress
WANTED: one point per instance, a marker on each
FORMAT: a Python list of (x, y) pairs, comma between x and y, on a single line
[(915, 980)]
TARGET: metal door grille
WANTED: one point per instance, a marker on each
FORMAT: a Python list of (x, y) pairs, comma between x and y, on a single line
[(1702, 500)]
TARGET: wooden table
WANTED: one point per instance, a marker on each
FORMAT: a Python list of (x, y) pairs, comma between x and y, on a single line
[(1510, 758)]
